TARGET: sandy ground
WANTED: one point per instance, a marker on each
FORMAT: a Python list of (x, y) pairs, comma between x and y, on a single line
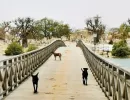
[(3, 47)]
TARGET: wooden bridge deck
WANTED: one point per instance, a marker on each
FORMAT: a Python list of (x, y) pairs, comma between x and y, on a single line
[(61, 80)]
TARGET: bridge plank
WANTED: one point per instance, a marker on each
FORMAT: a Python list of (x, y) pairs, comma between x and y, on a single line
[(61, 80)]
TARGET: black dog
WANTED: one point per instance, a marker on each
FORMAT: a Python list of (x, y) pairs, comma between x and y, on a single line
[(35, 82), (84, 75)]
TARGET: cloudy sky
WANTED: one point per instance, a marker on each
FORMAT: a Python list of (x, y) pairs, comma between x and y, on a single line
[(73, 12)]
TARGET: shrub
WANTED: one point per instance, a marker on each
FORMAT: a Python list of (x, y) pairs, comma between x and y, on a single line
[(14, 49), (120, 49), (31, 47)]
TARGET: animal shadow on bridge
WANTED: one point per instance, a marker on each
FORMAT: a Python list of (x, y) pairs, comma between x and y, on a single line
[(57, 54), (84, 75), (35, 82)]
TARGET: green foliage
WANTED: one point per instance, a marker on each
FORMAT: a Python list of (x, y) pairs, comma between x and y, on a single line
[(31, 47), (124, 29), (14, 49), (120, 49), (56, 29), (24, 26)]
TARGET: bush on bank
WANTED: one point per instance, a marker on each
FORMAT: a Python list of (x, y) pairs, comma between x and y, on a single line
[(14, 49), (120, 49), (31, 47)]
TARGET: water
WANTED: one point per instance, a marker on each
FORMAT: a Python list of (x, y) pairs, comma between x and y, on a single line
[(123, 62)]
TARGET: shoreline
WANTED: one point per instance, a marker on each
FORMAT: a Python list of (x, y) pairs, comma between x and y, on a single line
[(110, 55)]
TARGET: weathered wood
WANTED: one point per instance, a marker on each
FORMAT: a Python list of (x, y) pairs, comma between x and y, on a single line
[(61, 80), (15, 70), (114, 81)]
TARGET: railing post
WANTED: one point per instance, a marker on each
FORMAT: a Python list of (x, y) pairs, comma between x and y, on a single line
[(5, 80), (10, 82), (114, 81), (15, 73), (20, 69), (109, 80), (16, 69)]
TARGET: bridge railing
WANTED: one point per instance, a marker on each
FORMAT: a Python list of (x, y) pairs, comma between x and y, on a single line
[(15, 70), (113, 80)]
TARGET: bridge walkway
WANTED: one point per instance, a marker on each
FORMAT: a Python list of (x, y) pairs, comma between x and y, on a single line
[(61, 80)]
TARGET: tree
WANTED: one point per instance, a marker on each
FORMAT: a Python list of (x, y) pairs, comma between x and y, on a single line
[(95, 26), (14, 36), (24, 27), (54, 28), (28, 28), (57, 29), (124, 29), (4, 28), (46, 26), (36, 31), (65, 31), (2, 35), (120, 49)]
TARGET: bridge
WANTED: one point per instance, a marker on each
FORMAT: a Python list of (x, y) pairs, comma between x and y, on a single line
[(62, 79)]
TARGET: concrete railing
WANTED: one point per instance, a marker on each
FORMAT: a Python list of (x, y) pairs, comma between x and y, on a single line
[(15, 70), (113, 80)]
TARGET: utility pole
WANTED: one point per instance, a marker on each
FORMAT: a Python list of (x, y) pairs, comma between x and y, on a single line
[(95, 34), (97, 17)]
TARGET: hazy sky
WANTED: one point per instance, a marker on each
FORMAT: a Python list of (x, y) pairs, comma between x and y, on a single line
[(73, 12)]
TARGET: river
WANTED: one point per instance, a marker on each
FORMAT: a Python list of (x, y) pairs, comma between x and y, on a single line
[(123, 62)]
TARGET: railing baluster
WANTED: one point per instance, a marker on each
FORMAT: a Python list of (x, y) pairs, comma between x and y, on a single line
[(15, 70), (114, 81)]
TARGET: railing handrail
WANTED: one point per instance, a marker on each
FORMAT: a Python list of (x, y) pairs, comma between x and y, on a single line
[(14, 70), (26, 53), (113, 80), (110, 63)]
